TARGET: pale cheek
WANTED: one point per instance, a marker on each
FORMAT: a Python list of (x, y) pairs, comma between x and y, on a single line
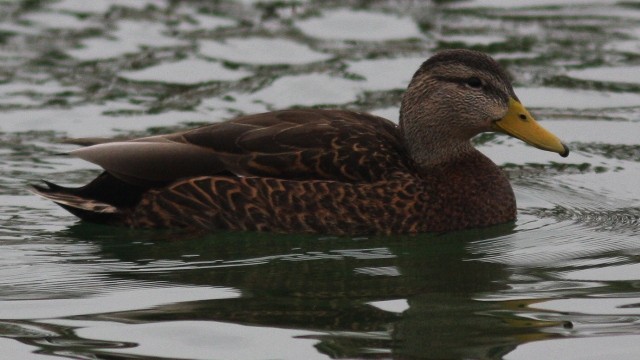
[(478, 111), (492, 110)]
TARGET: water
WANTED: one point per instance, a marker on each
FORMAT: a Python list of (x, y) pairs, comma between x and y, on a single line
[(562, 281)]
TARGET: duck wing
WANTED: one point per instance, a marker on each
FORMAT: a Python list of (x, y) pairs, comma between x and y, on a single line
[(289, 144)]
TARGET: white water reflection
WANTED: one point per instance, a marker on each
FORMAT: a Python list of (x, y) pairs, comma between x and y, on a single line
[(359, 25), (585, 131), (395, 306), (530, 3), (55, 20), (101, 6), (91, 120), (83, 7), (387, 74), (231, 104), (99, 48), (391, 113), (593, 306), (204, 22), (470, 40), (560, 98), (129, 37), (12, 349), (206, 340), (621, 74), (591, 348), (115, 301), (630, 46), (619, 185), (261, 51), (186, 72), (308, 90), (32, 94), (625, 272)]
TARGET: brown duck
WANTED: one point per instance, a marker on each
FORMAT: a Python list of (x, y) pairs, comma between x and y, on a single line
[(324, 171)]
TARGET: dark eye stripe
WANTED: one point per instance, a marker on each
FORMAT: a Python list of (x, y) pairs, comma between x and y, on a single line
[(456, 80), (487, 87)]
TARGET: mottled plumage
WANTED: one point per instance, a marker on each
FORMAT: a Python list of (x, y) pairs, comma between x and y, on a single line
[(323, 171)]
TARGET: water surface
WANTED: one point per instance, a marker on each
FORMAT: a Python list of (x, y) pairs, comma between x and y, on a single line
[(561, 281)]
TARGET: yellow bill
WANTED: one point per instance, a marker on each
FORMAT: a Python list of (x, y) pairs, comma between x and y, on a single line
[(519, 123)]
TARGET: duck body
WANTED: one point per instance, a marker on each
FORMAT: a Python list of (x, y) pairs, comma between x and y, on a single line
[(363, 185), (322, 171)]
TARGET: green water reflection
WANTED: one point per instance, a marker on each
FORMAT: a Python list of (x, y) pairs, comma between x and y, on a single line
[(334, 286)]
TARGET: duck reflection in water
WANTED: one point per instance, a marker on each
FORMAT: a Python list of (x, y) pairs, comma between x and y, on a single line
[(333, 286)]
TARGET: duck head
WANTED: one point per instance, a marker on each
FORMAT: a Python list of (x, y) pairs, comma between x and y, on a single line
[(457, 94)]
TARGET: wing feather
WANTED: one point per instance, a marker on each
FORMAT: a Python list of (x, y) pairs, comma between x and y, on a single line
[(289, 144)]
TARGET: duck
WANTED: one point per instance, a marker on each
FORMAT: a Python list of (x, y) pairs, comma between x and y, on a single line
[(323, 171)]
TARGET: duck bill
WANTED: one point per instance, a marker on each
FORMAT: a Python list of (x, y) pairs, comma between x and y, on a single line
[(519, 123)]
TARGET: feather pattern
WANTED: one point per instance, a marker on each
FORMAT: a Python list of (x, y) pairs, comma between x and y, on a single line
[(291, 144), (313, 206)]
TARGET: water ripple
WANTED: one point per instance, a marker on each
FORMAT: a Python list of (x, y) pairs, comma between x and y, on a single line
[(618, 220)]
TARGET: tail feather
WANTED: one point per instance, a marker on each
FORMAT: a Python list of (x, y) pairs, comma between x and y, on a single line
[(50, 187), (104, 200), (82, 207)]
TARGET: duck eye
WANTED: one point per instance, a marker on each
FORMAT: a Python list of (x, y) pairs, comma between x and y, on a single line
[(474, 82)]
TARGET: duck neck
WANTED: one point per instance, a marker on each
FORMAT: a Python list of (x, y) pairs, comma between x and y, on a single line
[(432, 144)]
